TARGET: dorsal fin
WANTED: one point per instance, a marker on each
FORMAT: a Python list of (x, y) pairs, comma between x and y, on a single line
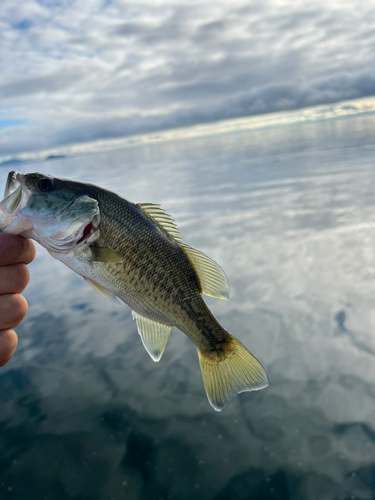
[(162, 219), (211, 276)]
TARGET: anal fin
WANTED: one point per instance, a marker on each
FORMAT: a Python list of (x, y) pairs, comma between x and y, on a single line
[(154, 335)]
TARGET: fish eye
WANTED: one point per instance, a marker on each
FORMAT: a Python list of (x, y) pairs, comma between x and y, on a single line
[(45, 185)]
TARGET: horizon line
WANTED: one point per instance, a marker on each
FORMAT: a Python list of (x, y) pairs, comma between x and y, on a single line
[(311, 114)]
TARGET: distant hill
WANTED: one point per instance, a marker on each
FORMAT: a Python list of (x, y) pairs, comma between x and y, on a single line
[(54, 157), (9, 163), (15, 161)]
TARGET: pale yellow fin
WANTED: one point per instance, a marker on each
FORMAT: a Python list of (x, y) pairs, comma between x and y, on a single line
[(102, 291), (103, 254), (230, 373), (162, 219), (154, 335), (211, 276)]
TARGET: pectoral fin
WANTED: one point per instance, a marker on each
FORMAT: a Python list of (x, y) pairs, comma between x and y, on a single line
[(154, 335), (102, 291), (103, 254)]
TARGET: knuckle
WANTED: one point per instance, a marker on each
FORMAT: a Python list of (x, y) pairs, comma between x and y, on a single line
[(13, 278), (24, 250), (8, 344), (15, 249), (18, 247), (21, 278), (18, 307), (28, 251)]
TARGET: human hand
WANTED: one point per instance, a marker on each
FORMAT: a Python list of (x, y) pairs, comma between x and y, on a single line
[(15, 253)]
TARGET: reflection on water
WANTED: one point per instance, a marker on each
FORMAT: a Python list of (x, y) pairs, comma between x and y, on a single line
[(289, 214)]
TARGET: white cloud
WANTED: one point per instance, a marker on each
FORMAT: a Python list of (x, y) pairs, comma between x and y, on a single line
[(99, 69)]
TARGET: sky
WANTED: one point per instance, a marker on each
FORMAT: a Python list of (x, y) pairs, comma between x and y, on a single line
[(79, 71)]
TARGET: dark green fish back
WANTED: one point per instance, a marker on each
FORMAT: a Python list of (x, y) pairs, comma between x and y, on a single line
[(154, 273)]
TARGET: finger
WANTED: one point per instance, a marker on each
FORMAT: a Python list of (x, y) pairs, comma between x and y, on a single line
[(13, 279), (15, 250), (13, 309), (8, 344)]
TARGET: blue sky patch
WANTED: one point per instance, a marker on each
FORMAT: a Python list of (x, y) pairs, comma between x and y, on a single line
[(10, 123), (23, 25)]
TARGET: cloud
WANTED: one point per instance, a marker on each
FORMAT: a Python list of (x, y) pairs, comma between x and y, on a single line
[(75, 72), (40, 84)]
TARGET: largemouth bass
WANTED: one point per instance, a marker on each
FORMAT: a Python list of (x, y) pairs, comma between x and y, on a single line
[(134, 253)]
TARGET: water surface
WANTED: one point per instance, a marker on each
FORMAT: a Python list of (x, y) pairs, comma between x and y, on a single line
[(289, 214)]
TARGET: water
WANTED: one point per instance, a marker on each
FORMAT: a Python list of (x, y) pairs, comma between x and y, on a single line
[(289, 213)]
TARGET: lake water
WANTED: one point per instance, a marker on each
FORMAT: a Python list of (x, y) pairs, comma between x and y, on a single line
[(289, 213)]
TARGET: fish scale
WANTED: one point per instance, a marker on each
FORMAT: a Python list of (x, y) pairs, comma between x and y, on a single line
[(134, 253)]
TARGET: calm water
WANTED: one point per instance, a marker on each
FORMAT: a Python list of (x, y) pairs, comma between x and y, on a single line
[(289, 213)]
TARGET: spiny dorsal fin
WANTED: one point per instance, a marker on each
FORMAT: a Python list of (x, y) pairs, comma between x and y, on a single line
[(154, 335), (162, 219), (102, 291), (211, 276)]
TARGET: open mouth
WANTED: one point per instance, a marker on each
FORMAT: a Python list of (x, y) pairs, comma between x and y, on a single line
[(16, 195), (14, 180)]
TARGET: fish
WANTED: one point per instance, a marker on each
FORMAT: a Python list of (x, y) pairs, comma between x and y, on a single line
[(134, 253)]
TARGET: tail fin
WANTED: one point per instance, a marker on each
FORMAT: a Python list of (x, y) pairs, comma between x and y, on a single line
[(229, 373)]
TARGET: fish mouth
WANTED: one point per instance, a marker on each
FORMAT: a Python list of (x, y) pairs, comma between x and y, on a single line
[(16, 197), (16, 194), (14, 180)]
